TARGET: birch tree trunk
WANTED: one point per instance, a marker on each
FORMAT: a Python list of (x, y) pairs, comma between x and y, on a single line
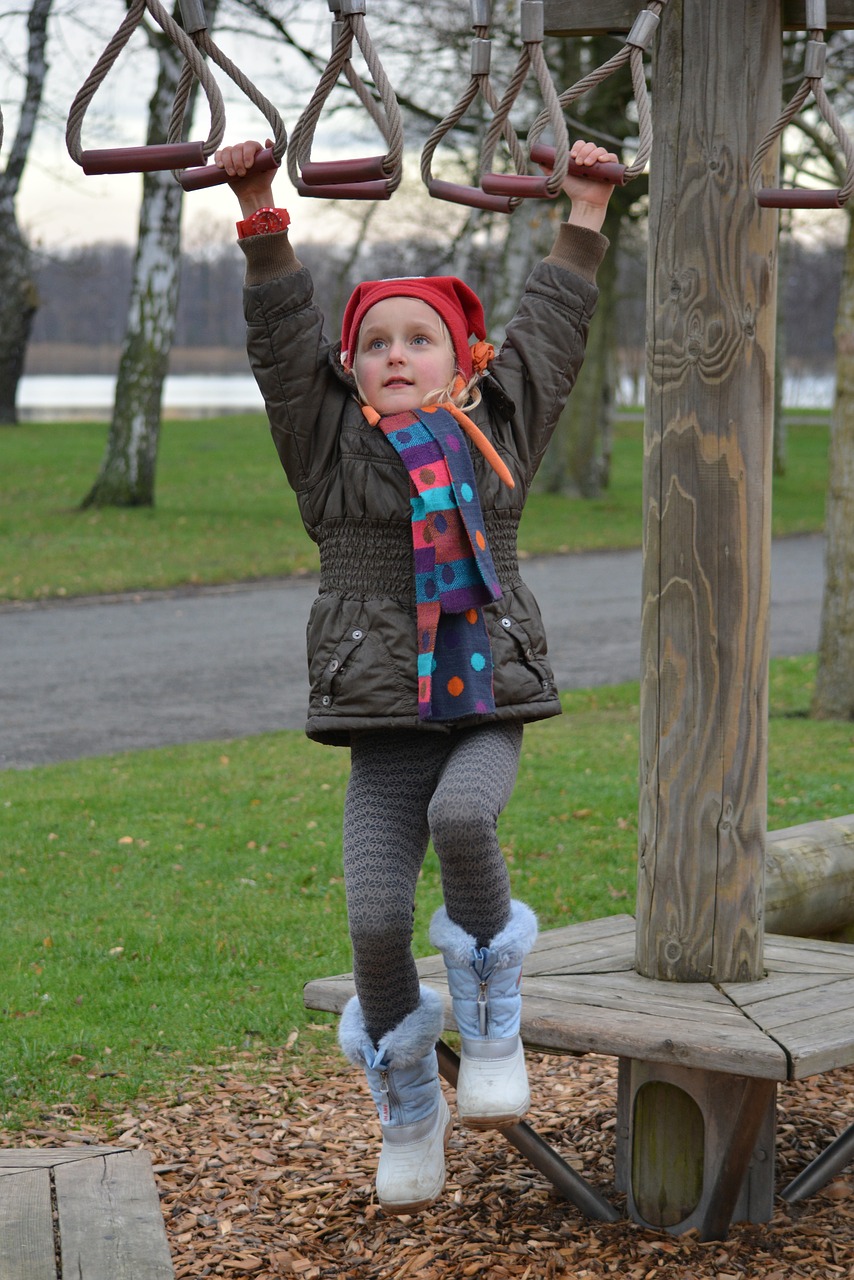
[(19, 298), (127, 474), (834, 690)]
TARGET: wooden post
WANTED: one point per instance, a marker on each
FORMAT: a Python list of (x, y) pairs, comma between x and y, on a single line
[(707, 555), (707, 496)]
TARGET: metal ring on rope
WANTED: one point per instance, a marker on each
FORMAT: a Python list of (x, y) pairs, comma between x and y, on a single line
[(479, 84), (195, 23), (522, 184), (368, 178), (815, 61), (638, 41), (168, 155)]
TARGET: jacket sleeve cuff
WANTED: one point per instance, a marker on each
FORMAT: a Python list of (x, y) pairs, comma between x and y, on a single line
[(269, 257), (579, 250)]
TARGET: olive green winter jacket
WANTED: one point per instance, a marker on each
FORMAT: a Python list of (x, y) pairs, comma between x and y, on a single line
[(354, 497)]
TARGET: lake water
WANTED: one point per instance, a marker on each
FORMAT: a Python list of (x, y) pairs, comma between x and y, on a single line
[(207, 395)]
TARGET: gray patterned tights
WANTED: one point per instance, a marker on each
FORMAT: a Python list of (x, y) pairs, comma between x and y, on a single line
[(406, 787)]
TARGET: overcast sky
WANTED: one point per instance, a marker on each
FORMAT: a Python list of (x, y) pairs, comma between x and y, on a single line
[(60, 206)]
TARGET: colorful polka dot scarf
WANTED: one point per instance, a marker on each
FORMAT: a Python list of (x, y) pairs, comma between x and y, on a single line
[(454, 573)]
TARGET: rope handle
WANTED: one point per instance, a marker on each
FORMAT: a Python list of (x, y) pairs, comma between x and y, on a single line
[(479, 85), (605, 171), (334, 180), (210, 175), (528, 186), (145, 159), (815, 61), (195, 23), (638, 41)]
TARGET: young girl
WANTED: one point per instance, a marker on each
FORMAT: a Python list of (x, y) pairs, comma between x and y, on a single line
[(411, 453)]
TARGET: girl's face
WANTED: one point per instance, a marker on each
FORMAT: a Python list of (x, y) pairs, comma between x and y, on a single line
[(404, 353)]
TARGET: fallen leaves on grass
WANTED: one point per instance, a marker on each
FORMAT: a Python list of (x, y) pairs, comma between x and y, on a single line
[(266, 1169)]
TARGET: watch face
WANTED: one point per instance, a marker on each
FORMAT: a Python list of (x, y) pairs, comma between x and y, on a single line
[(269, 220)]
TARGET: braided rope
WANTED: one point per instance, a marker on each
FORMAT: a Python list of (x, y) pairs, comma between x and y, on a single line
[(478, 85), (531, 56), (814, 85), (388, 120), (633, 54), (202, 41), (97, 75)]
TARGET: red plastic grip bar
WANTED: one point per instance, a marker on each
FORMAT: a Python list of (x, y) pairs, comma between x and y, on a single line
[(475, 197), (166, 155), (609, 171), (798, 198), (526, 185), (320, 173), (211, 175), (346, 191)]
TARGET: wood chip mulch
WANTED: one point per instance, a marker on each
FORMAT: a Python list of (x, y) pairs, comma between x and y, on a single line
[(269, 1173)]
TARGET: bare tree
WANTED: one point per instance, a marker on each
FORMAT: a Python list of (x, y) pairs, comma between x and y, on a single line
[(18, 294), (833, 697), (128, 469)]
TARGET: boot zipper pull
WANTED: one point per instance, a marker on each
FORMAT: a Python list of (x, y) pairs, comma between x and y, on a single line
[(482, 1007), (384, 1104)]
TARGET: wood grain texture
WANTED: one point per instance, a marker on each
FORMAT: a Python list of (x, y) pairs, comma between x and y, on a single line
[(26, 1227), (707, 487), (581, 17), (110, 1223)]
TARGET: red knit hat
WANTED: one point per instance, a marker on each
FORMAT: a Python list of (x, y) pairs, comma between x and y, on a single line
[(455, 302)]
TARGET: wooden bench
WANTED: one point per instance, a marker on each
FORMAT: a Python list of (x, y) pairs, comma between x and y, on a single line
[(581, 994), (92, 1213)]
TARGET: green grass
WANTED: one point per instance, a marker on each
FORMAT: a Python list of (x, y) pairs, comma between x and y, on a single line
[(224, 511), (163, 909)]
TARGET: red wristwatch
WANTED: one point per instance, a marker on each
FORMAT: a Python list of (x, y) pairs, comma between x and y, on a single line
[(263, 222)]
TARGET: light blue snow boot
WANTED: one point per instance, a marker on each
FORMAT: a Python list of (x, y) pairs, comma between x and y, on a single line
[(492, 1088), (403, 1076)]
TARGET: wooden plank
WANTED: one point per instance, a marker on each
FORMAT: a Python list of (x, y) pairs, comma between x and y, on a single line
[(840, 15), (47, 1157), (111, 1226), (835, 957), (583, 18), (746, 994), (738, 1049), (26, 1227), (820, 1045), (778, 1012), (328, 994), (614, 930), (695, 1002)]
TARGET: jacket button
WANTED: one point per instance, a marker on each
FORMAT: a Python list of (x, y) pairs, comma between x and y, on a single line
[(507, 623), (529, 653), (334, 664), (326, 700), (357, 633)]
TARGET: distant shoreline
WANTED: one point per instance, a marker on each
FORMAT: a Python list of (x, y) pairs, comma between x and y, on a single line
[(73, 358)]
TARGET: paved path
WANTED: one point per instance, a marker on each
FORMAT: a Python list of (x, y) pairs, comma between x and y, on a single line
[(83, 678)]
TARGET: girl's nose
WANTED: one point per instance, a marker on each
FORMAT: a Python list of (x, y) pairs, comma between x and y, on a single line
[(396, 352)]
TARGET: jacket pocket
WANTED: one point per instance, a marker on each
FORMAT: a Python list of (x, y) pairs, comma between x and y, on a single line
[(521, 671), (334, 668)]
